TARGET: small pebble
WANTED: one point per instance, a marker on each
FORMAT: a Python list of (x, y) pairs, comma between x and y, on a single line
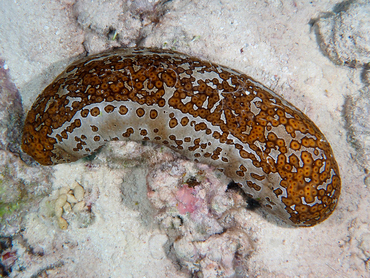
[(58, 212), (79, 192), (79, 206), (64, 190), (73, 185), (60, 202), (67, 208), (71, 199), (63, 224)]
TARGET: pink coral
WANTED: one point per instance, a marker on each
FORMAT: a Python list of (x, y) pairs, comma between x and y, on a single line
[(187, 200)]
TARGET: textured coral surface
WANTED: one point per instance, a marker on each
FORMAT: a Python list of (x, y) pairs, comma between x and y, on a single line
[(22, 186), (343, 33)]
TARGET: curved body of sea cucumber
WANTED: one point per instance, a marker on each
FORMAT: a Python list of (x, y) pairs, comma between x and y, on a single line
[(209, 113)]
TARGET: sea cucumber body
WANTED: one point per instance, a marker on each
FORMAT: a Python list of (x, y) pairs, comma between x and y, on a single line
[(207, 112)]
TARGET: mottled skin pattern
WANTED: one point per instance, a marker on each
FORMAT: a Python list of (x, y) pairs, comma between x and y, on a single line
[(209, 113)]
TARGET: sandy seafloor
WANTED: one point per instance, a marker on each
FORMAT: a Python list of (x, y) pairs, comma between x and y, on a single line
[(268, 40)]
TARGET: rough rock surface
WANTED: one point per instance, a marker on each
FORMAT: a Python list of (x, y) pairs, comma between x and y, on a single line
[(343, 34), (21, 186)]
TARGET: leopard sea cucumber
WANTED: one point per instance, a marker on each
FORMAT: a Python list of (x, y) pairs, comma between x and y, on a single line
[(207, 112)]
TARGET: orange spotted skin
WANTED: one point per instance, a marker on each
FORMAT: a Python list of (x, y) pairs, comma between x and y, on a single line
[(209, 113)]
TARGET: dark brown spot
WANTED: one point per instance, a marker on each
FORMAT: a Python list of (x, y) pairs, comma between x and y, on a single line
[(95, 111), (94, 128), (172, 123), (109, 108), (123, 110), (85, 113), (153, 114), (140, 112), (184, 121)]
